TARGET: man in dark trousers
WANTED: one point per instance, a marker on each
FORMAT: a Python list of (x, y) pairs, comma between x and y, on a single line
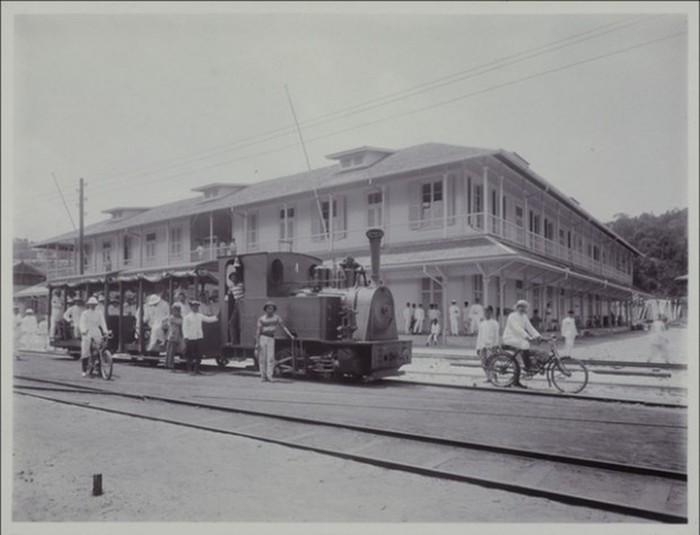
[(193, 333)]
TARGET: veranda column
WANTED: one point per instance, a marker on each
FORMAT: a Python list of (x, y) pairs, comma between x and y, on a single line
[(486, 196), (211, 235)]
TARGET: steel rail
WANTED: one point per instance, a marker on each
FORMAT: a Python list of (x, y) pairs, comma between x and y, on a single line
[(567, 498), (480, 446)]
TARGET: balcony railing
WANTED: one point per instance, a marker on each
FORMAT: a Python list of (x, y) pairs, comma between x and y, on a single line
[(416, 231)]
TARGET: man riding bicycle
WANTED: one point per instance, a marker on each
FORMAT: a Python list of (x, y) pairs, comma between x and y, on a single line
[(519, 332), (92, 328)]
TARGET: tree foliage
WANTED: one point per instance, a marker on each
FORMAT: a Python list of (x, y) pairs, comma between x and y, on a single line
[(663, 240)]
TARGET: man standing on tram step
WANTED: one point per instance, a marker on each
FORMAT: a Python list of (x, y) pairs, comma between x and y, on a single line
[(193, 333), (92, 328), (407, 318), (56, 313), (420, 318), (454, 313), (265, 340)]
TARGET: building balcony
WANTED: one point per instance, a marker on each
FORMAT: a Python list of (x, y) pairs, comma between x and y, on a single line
[(339, 242)]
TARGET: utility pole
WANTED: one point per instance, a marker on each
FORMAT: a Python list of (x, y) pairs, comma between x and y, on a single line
[(81, 247)]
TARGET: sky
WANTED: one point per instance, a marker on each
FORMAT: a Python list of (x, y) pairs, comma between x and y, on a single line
[(146, 107)]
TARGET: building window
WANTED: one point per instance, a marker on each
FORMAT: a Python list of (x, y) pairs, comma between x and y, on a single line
[(106, 252), (519, 290), (287, 214), (176, 241), (431, 292), (252, 231), (478, 199), (151, 245), (494, 203), (596, 252), (432, 202), (548, 229), (478, 285), (519, 216), (332, 215), (374, 209), (534, 222), (126, 244), (562, 237), (504, 210)]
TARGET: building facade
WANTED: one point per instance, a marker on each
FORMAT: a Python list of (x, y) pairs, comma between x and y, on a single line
[(460, 223)]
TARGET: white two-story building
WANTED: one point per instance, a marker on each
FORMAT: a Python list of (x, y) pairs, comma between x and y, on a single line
[(460, 223)]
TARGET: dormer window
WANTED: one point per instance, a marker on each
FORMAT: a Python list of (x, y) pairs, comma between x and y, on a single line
[(360, 158), (122, 212), (218, 190)]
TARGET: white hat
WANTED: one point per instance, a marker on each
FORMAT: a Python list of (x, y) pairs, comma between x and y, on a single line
[(92, 301), (523, 303), (153, 299), (29, 311)]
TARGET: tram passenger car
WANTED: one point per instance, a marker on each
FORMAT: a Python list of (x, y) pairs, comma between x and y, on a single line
[(343, 323)]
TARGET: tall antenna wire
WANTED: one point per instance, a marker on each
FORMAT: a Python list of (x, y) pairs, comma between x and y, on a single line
[(63, 199), (296, 122)]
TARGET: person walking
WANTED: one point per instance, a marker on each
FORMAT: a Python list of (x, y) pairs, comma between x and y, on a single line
[(92, 329), (420, 318), (548, 318), (175, 344), (569, 332), (476, 314), (455, 314), (17, 330), (536, 320), (407, 318), (413, 317), (265, 340), (659, 342), (30, 328), (434, 332), (488, 338), (465, 319), (194, 334)]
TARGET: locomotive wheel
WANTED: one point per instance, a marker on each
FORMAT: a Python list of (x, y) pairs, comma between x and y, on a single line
[(222, 362), (284, 363)]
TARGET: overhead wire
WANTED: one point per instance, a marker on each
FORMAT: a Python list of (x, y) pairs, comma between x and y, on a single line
[(377, 102)]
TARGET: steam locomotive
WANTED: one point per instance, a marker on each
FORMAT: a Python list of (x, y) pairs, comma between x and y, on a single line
[(343, 323)]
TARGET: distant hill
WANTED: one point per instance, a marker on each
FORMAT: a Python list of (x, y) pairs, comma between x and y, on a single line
[(664, 240)]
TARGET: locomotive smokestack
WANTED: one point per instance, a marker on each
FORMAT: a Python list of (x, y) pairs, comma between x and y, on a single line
[(375, 239)]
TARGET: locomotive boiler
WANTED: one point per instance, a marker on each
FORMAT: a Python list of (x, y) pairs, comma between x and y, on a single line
[(344, 323)]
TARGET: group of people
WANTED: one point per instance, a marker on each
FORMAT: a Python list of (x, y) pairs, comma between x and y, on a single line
[(462, 321)]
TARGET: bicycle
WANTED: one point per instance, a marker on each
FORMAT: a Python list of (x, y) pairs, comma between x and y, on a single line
[(101, 358), (567, 374)]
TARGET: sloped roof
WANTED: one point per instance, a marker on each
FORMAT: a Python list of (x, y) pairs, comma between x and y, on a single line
[(409, 159)]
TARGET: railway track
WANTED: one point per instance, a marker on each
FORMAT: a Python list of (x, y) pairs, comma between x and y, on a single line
[(640, 491), (249, 372)]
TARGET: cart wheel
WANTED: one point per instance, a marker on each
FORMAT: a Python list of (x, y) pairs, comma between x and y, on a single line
[(284, 363)]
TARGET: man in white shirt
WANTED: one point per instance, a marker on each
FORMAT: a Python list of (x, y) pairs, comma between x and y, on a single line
[(56, 313), (476, 314), (465, 319), (420, 318), (92, 328), (569, 332), (155, 313), (455, 314), (488, 337), (407, 318), (194, 334), (72, 315), (519, 332)]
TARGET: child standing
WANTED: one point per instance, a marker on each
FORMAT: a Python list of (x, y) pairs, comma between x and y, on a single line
[(434, 332)]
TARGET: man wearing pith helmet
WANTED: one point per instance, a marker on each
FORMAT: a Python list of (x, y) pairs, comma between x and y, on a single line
[(265, 340), (519, 331)]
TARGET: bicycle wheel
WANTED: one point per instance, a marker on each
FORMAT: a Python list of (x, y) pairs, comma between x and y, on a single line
[(569, 376), (92, 363), (503, 370), (105, 364)]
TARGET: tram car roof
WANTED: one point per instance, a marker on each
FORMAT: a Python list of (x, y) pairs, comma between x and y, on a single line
[(206, 271)]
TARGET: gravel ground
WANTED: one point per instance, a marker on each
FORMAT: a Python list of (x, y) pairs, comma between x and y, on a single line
[(162, 472)]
